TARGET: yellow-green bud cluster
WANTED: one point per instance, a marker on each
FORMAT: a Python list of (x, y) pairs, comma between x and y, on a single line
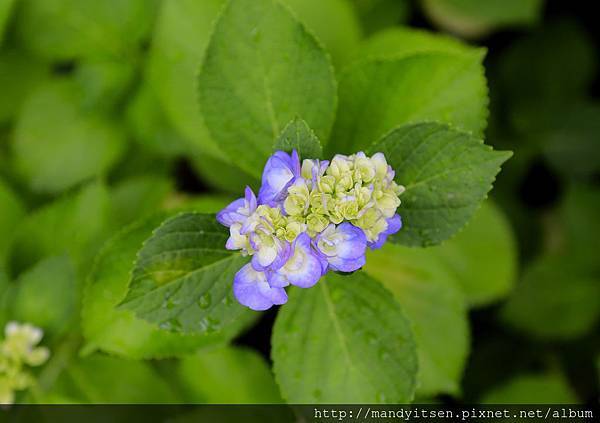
[(19, 350), (355, 188)]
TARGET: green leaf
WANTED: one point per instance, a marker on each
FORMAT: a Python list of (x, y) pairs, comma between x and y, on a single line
[(20, 76), (139, 196), (182, 280), (555, 299), (11, 212), (182, 33), (483, 256), (344, 341), (6, 8), (334, 23), (75, 224), (104, 83), (71, 29), (378, 14), (46, 295), (261, 70), (405, 41), (379, 95), (298, 136), (434, 304), (227, 375), (117, 330), (474, 18), (149, 125), (57, 145), (548, 388), (108, 380), (447, 174)]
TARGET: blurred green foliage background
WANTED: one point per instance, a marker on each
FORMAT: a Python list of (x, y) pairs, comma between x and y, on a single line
[(100, 127)]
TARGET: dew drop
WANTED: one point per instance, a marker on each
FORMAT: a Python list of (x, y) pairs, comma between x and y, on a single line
[(204, 301)]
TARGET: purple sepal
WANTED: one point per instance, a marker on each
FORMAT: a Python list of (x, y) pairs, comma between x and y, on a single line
[(279, 173), (394, 225), (239, 210), (304, 267), (343, 247), (252, 290), (282, 252)]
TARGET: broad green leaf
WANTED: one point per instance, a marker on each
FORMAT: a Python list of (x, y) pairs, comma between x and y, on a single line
[(261, 70), (334, 23), (298, 136), (475, 18), (108, 380), (548, 388), (483, 256), (183, 276), (378, 14), (139, 196), (61, 30), (6, 8), (75, 224), (379, 95), (226, 375), (555, 299), (434, 304), (149, 125), (46, 295), (404, 41), (178, 46), (117, 330), (57, 145), (11, 212), (20, 75), (344, 341), (447, 174), (104, 83)]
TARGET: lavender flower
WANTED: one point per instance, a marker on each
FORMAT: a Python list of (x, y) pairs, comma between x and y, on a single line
[(343, 246), (279, 173), (308, 219)]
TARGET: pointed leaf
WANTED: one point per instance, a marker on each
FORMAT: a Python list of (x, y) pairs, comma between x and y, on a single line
[(447, 174), (262, 69), (298, 136), (182, 279), (344, 341), (434, 304), (378, 95), (119, 331)]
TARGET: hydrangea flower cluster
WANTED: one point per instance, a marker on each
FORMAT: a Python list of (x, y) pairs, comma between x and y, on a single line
[(18, 350), (309, 218)]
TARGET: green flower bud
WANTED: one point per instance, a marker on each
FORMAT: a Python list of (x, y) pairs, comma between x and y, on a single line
[(316, 223), (388, 203), (298, 199), (372, 223), (339, 166), (364, 169)]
